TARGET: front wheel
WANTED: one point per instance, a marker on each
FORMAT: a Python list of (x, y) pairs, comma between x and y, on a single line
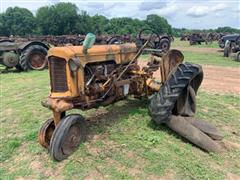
[(69, 133)]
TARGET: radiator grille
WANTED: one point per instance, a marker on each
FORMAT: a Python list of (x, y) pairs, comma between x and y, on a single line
[(58, 74)]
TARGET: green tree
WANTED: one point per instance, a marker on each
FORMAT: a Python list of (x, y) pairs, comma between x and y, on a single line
[(58, 19), (124, 25), (17, 21), (159, 24), (84, 23), (99, 23), (1, 25), (227, 30)]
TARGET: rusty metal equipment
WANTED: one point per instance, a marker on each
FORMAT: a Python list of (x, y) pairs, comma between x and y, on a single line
[(196, 38), (157, 41), (232, 46), (24, 55), (83, 77)]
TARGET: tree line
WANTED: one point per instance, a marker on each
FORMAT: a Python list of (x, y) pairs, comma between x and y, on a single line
[(65, 18)]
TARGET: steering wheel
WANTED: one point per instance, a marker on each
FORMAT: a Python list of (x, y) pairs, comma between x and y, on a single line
[(154, 39)]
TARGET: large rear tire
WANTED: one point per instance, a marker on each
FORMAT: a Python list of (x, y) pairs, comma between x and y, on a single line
[(176, 88), (164, 45), (34, 57), (67, 136)]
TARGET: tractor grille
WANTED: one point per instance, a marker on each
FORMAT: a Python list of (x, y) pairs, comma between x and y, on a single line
[(58, 74)]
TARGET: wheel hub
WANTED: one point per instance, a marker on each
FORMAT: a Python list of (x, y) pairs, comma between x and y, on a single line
[(37, 61), (72, 140)]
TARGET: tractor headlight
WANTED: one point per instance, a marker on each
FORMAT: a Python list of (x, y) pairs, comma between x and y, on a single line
[(74, 63)]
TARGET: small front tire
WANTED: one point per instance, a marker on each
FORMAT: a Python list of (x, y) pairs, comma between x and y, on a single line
[(68, 135)]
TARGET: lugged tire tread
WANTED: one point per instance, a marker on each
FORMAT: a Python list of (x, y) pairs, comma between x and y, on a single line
[(23, 62), (162, 102)]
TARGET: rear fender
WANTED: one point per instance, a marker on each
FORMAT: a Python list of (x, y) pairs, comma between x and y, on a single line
[(165, 37), (169, 62), (25, 45)]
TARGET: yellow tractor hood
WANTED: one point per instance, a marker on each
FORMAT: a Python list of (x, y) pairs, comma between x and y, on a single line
[(119, 53)]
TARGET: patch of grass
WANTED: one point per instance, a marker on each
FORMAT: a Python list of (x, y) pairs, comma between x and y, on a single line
[(185, 44), (209, 59), (8, 147)]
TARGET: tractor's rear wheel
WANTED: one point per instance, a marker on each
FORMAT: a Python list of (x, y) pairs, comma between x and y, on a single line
[(178, 90), (34, 57), (69, 133), (45, 133), (164, 45)]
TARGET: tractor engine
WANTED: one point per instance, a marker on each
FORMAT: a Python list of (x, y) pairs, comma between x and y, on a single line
[(95, 75)]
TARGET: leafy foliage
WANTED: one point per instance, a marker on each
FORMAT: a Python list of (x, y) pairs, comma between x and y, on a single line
[(58, 19), (17, 21), (159, 24), (65, 18)]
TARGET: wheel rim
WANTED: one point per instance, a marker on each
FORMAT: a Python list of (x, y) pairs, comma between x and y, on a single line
[(37, 61), (45, 133), (164, 46), (72, 140)]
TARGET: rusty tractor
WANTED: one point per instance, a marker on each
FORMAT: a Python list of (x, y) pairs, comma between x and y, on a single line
[(24, 55), (162, 42), (88, 76), (232, 46), (184, 37), (196, 38)]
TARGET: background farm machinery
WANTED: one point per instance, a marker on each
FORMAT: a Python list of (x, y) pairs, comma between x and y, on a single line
[(198, 38), (23, 55), (231, 46), (26, 53)]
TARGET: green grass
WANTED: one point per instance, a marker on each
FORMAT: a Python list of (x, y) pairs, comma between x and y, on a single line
[(122, 143), (209, 59), (185, 44)]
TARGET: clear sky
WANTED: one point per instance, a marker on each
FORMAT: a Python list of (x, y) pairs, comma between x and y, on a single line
[(195, 14)]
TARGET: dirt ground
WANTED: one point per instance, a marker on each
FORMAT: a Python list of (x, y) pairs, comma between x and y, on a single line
[(217, 79), (221, 79)]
